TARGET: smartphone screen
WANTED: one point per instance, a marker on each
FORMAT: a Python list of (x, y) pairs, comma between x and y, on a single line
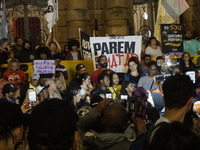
[(124, 97), (109, 95), (31, 96)]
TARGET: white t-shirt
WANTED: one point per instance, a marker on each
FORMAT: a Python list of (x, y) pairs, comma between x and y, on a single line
[(74, 55), (153, 52), (161, 119)]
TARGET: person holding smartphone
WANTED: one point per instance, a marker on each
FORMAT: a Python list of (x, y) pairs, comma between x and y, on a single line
[(30, 85), (10, 93)]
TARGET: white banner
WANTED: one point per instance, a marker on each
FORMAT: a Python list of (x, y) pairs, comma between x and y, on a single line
[(118, 50), (51, 13)]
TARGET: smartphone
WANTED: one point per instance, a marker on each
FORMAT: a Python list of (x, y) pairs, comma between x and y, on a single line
[(31, 95), (124, 97), (109, 95)]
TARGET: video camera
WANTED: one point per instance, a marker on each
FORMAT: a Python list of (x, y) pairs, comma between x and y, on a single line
[(137, 106), (138, 103)]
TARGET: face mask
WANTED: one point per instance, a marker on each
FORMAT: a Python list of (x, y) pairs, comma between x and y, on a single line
[(104, 65)]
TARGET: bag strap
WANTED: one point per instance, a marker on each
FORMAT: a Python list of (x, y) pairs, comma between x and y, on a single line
[(153, 127), (151, 85)]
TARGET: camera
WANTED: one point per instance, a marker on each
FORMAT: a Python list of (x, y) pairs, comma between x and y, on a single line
[(159, 78), (137, 105)]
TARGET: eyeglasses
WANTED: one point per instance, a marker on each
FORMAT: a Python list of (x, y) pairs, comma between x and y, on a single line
[(52, 46)]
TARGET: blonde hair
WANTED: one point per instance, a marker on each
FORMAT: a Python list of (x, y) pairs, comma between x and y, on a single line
[(11, 62)]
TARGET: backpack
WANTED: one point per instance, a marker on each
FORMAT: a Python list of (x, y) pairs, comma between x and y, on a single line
[(142, 140)]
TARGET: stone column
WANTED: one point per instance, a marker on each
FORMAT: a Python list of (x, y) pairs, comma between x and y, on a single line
[(191, 15), (97, 23), (78, 16), (117, 15), (60, 29)]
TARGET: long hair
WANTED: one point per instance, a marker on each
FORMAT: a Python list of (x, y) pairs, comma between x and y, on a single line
[(149, 41), (64, 51), (124, 86), (84, 76), (73, 43), (182, 63), (13, 61), (111, 78), (135, 60), (42, 50)]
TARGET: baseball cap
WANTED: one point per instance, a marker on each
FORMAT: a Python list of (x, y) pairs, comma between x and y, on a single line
[(80, 66), (95, 100), (8, 88), (35, 76)]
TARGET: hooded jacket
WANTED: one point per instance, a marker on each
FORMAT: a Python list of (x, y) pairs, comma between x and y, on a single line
[(101, 141)]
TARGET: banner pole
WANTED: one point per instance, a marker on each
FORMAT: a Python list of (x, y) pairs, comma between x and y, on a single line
[(52, 31)]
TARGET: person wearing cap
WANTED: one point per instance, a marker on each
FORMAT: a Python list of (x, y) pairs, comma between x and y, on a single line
[(59, 67), (11, 125), (75, 83), (103, 64), (10, 93), (74, 53), (104, 83), (31, 85)]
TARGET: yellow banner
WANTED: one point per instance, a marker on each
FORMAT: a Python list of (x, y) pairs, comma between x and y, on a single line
[(162, 18), (71, 66)]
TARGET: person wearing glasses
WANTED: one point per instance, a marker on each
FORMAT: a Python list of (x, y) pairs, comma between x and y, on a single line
[(53, 50)]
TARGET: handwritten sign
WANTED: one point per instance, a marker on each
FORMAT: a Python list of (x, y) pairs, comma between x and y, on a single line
[(44, 66)]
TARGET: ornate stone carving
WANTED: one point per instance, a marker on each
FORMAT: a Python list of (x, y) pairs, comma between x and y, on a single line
[(33, 11)]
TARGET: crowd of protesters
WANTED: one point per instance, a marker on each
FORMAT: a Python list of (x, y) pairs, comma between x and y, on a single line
[(99, 111)]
